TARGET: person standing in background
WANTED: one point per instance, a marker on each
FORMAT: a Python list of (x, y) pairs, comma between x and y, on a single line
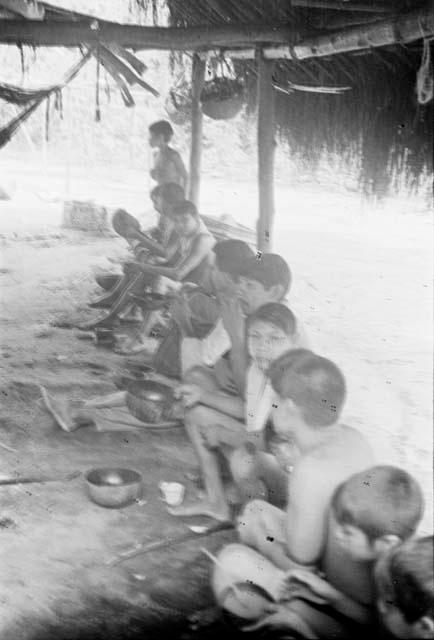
[(168, 165)]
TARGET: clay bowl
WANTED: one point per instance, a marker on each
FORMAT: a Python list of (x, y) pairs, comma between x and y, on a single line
[(114, 487)]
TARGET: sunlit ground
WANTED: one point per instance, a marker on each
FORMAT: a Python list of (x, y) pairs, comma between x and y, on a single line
[(362, 283)]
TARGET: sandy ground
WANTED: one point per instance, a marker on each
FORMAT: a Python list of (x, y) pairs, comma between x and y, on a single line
[(362, 287)]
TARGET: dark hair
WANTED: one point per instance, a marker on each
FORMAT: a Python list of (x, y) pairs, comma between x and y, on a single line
[(276, 314), (383, 500), (405, 577), (162, 128), (315, 385), (231, 256), (170, 192), (185, 208), (269, 269)]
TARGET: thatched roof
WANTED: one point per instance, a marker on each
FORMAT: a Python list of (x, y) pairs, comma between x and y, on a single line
[(377, 127)]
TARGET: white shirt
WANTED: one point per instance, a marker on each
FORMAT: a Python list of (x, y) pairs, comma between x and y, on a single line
[(260, 398), (196, 352)]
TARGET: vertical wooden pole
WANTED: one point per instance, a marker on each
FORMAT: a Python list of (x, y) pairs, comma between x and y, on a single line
[(198, 76), (69, 111), (266, 147), (44, 128)]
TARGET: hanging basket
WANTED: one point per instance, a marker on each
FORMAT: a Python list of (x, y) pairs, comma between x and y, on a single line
[(178, 105), (222, 98)]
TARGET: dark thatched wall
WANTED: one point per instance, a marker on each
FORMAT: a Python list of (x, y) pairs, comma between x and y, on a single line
[(378, 126)]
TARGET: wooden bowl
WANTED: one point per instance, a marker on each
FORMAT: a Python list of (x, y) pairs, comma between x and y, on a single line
[(114, 487), (150, 401)]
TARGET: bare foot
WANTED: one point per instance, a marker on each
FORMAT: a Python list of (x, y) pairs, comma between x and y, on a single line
[(61, 412), (203, 508)]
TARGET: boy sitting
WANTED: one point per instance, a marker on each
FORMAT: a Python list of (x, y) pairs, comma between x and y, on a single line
[(167, 163), (145, 246), (404, 579), (370, 513), (195, 310), (266, 278), (218, 421), (311, 393), (186, 260)]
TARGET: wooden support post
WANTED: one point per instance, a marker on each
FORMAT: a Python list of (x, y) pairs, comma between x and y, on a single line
[(198, 76), (266, 147)]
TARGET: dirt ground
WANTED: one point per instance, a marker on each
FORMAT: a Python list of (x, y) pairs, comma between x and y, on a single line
[(363, 289)]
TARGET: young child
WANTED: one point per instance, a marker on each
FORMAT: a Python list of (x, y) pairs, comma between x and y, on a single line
[(167, 163), (266, 278), (224, 422), (370, 513), (405, 589), (271, 330)]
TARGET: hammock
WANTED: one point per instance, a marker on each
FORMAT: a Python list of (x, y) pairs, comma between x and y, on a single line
[(122, 65), (12, 127), (20, 96), (17, 95)]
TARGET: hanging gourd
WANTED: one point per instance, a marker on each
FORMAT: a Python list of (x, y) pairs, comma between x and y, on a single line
[(222, 96)]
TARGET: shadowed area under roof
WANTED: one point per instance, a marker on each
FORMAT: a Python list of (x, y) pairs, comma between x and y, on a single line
[(377, 128)]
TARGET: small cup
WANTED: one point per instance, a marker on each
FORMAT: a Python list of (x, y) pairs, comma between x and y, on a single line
[(173, 493)]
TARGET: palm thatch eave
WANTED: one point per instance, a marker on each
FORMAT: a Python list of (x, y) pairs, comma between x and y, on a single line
[(378, 128)]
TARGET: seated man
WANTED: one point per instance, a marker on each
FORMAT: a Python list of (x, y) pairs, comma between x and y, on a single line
[(195, 310), (222, 355), (156, 243), (311, 393), (186, 260), (226, 423)]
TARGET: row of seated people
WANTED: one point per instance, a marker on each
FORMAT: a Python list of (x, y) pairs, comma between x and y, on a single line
[(327, 535), (178, 250)]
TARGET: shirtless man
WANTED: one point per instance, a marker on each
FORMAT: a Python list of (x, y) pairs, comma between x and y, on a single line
[(186, 260), (167, 162), (311, 393), (196, 310)]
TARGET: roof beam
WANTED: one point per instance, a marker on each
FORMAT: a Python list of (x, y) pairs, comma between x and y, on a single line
[(401, 29), (337, 5), (64, 33), (276, 42), (29, 9)]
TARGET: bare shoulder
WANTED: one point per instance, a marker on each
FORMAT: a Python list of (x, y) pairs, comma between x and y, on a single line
[(346, 447), (173, 153)]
